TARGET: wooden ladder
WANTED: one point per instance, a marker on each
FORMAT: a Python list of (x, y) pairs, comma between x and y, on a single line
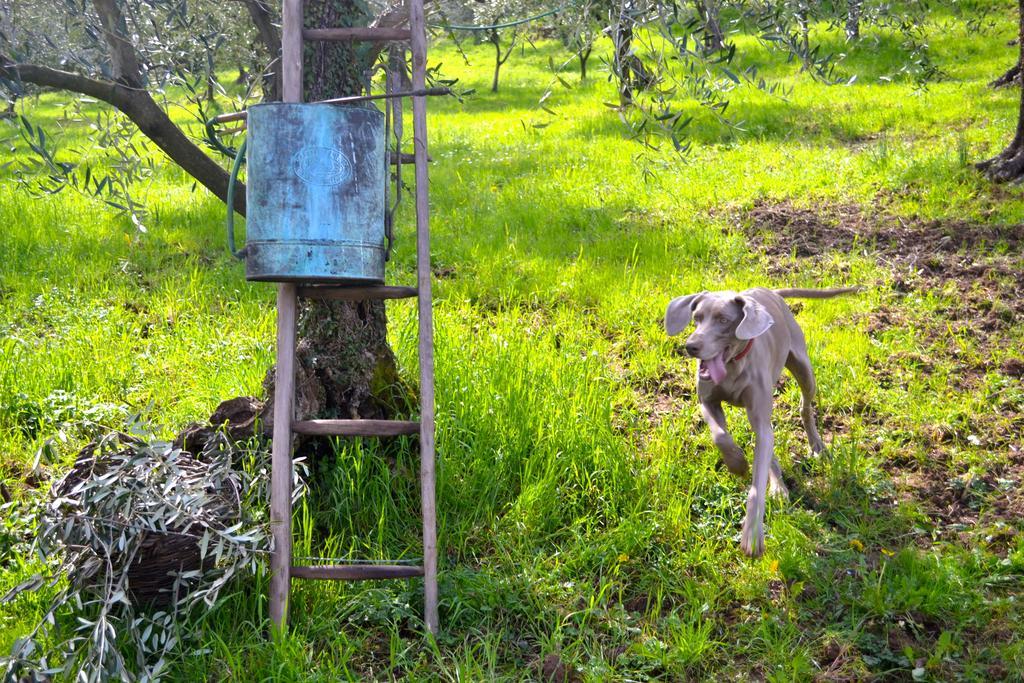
[(282, 570)]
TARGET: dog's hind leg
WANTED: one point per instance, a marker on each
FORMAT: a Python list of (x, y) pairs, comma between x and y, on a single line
[(799, 363), (731, 453), (776, 487)]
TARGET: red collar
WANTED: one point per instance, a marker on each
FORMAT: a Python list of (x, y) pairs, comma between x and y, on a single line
[(745, 351)]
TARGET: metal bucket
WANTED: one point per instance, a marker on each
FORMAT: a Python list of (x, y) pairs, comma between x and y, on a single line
[(316, 193)]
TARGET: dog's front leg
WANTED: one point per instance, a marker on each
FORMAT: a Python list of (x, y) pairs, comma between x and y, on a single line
[(732, 454), (759, 411)]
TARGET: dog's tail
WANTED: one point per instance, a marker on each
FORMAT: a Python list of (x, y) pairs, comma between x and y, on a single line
[(816, 293)]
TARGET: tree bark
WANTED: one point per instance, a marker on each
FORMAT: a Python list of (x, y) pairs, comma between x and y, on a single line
[(714, 39), (127, 70), (853, 8), (1008, 165), (584, 56), (623, 39), (263, 20)]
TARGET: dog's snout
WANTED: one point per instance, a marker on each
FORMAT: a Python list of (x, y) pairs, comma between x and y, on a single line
[(692, 348)]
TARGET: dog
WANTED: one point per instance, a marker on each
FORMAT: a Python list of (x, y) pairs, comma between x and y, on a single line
[(743, 340)]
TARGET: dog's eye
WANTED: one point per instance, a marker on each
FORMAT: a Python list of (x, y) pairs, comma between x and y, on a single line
[(722, 320)]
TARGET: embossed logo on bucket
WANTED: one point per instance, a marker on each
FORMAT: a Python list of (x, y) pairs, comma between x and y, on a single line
[(321, 166)]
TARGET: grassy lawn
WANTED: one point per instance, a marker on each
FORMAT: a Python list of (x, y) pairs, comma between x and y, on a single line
[(586, 523)]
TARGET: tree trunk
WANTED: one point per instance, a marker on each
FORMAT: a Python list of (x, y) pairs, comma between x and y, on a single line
[(1008, 165), (584, 56), (211, 78), (803, 21), (853, 19), (714, 39), (494, 38), (623, 39), (345, 368), (261, 17)]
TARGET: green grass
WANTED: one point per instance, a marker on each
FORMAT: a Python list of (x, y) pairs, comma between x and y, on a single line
[(583, 510)]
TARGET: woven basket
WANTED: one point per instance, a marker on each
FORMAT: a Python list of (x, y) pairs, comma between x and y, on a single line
[(161, 555)]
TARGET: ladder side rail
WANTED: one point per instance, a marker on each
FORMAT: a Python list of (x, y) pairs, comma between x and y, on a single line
[(291, 50), (281, 461), (284, 382), (418, 45)]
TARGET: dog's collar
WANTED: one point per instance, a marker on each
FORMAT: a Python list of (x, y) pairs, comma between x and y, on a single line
[(745, 351)]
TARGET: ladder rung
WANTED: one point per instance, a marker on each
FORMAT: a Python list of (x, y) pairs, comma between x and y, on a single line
[(356, 33), (356, 427), (408, 158), (356, 572), (338, 292)]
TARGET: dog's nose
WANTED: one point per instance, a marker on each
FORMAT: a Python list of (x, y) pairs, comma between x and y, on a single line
[(692, 348)]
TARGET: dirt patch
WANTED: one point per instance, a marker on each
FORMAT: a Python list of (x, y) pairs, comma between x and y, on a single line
[(972, 270), (1007, 503), (444, 272), (655, 400), (979, 263), (840, 662), (1013, 367), (554, 669), (783, 230), (957, 499), (949, 500), (977, 266)]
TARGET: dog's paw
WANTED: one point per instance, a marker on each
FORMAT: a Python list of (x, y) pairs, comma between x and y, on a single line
[(752, 536), (735, 462), (752, 544), (777, 488)]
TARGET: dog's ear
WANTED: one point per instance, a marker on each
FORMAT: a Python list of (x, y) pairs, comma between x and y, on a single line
[(679, 312), (756, 320)]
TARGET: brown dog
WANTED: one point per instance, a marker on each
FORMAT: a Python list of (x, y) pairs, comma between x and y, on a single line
[(743, 340)]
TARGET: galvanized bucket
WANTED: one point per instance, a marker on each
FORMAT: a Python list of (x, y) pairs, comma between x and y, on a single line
[(316, 193)]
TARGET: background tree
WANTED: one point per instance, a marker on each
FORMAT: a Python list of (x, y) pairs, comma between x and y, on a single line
[(708, 12), (494, 38), (579, 36), (504, 40)]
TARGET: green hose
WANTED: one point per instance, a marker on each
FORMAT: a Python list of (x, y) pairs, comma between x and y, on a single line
[(232, 180), (214, 141)]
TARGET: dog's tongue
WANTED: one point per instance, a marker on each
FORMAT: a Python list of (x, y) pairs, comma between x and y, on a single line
[(716, 368)]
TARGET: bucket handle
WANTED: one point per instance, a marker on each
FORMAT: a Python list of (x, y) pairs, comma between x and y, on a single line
[(232, 181)]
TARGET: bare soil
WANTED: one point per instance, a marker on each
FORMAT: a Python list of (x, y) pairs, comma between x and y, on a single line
[(978, 266), (554, 669)]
